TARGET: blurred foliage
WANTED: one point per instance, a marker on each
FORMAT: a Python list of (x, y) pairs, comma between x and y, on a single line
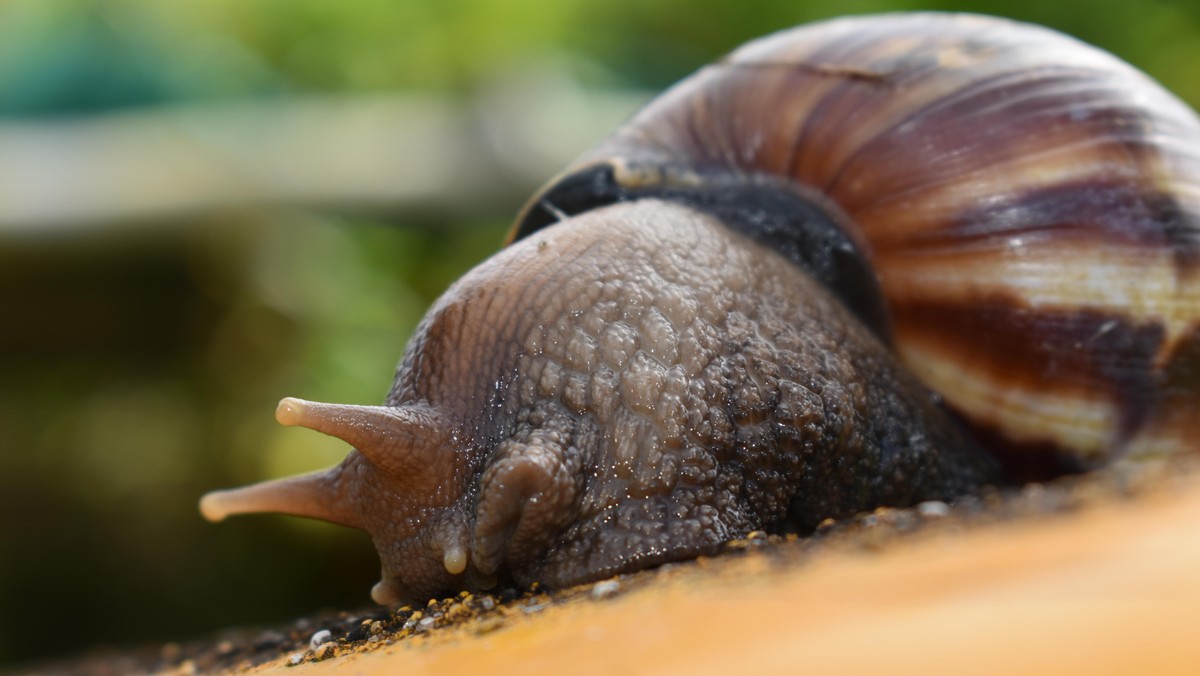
[(79, 56), (139, 366)]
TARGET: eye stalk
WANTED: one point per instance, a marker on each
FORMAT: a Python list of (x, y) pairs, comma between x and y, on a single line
[(314, 496), (401, 442)]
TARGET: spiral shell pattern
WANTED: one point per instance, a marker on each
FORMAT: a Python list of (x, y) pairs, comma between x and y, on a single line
[(1030, 205)]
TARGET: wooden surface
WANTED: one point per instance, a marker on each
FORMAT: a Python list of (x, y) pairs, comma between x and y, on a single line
[(1109, 589)]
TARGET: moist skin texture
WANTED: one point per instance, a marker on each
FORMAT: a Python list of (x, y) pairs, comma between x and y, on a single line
[(634, 385), (638, 385)]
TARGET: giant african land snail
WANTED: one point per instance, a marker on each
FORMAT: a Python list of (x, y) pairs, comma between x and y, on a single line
[(717, 320)]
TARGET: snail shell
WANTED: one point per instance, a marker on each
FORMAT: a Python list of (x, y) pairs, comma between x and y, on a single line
[(1030, 206), (688, 338)]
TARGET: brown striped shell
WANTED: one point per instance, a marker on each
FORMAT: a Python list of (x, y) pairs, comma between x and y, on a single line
[(1030, 206)]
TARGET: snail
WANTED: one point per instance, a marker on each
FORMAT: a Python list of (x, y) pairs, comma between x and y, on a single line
[(864, 262)]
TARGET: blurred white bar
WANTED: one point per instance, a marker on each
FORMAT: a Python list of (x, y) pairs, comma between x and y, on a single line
[(389, 152)]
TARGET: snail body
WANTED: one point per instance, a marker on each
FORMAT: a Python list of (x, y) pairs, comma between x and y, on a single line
[(727, 317)]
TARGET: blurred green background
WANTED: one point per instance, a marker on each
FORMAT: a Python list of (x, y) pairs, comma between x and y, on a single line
[(206, 206)]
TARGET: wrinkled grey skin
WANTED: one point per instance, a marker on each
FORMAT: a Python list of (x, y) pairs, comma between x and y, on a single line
[(638, 385)]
